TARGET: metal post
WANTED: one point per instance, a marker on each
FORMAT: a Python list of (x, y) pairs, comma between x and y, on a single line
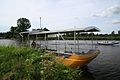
[(22, 37), (28, 39), (40, 23), (56, 43), (92, 40), (78, 45), (78, 41), (40, 43), (75, 41), (45, 42), (64, 40), (65, 46), (36, 41)]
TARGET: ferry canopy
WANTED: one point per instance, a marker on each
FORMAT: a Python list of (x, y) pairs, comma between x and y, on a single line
[(87, 29)]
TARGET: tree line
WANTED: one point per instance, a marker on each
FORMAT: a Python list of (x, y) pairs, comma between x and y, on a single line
[(23, 24)]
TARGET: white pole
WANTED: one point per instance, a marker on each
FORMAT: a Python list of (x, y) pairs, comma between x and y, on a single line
[(40, 23)]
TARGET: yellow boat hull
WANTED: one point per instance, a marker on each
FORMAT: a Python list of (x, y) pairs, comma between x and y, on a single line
[(80, 60)]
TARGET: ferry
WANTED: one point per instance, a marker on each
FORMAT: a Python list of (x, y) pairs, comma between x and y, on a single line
[(73, 59)]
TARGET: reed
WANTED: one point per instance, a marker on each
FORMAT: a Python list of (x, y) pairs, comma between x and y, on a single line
[(21, 63)]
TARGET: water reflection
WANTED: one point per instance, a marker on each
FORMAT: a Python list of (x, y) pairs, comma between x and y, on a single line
[(9, 42), (86, 74)]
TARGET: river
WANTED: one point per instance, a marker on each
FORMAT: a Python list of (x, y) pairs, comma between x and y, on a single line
[(105, 66), (6, 42)]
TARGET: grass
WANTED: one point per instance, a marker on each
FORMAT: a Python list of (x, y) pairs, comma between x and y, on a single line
[(21, 63)]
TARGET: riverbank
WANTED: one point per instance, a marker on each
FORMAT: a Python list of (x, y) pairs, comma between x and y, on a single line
[(21, 63)]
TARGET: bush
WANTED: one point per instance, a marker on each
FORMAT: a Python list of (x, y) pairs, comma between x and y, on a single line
[(21, 63)]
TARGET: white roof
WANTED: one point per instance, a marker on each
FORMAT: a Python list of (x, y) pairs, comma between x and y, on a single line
[(87, 29)]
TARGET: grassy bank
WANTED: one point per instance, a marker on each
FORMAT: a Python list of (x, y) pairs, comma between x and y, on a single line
[(20, 63)]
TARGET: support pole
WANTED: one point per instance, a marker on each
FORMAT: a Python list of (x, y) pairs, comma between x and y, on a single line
[(58, 45), (78, 45), (40, 43), (64, 40), (45, 42), (56, 42), (92, 40), (65, 46), (75, 41), (36, 40), (28, 40), (40, 23)]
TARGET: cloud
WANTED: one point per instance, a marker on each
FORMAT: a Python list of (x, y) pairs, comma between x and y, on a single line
[(113, 10), (115, 21)]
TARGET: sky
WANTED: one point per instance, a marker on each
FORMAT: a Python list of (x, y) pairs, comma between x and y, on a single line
[(61, 14)]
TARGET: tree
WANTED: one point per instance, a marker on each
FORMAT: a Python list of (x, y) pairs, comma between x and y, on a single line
[(23, 24), (113, 32), (119, 32), (13, 29), (13, 32), (45, 29)]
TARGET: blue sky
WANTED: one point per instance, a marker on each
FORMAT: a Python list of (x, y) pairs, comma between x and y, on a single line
[(62, 14)]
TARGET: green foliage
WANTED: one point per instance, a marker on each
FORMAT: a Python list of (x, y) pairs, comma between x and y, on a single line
[(13, 31), (45, 29), (21, 63), (23, 24)]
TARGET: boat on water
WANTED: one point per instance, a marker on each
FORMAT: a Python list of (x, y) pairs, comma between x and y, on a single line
[(80, 60), (107, 43), (73, 60)]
